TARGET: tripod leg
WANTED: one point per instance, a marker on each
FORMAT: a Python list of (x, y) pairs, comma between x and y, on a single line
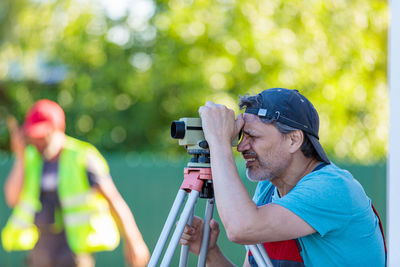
[(169, 223), (179, 228), (264, 255), (257, 256), (185, 248), (206, 233)]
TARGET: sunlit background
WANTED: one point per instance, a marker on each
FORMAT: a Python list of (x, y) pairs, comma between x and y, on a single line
[(123, 70)]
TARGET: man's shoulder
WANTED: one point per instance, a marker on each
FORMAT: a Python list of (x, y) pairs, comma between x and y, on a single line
[(329, 174), (332, 169), (331, 182), (74, 143), (95, 164), (86, 150)]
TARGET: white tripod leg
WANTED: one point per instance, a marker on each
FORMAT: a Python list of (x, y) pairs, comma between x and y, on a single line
[(264, 255), (179, 228), (206, 233), (169, 223), (183, 261), (257, 256)]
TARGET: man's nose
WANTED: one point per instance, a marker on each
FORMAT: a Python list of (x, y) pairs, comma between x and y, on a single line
[(243, 145)]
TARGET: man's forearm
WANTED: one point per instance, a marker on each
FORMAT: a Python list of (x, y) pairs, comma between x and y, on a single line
[(127, 224), (215, 258), (125, 219), (14, 182), (234, 204), (134, 244)]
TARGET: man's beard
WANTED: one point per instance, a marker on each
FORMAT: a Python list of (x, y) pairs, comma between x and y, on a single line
[(266, 171), (257, 177)]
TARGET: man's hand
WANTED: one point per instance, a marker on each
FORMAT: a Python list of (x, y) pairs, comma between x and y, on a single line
[(219, 123), (15, 180), (17, 140), (192, 235)]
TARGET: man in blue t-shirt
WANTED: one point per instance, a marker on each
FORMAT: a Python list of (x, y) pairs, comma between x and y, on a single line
[(306, 211)]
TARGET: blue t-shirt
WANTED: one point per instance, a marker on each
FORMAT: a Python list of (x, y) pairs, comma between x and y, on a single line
[(336, 206)]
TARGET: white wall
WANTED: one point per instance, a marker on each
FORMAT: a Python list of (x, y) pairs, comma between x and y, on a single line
[(393, 179)]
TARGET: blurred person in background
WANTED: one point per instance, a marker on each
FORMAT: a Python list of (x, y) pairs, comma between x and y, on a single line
[(65, 204), (306, 211)]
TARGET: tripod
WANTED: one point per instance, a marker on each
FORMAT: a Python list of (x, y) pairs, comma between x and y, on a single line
[(197, 183)]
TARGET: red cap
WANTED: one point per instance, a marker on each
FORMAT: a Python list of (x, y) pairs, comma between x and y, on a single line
[(43, 117)]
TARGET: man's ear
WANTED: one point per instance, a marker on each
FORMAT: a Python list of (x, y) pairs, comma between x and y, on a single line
[(295, 140)]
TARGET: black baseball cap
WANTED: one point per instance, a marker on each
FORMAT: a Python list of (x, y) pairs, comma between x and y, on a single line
[(293, 109)]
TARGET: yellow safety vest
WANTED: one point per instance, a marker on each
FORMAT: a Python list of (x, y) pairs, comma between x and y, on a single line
[(88, 223)]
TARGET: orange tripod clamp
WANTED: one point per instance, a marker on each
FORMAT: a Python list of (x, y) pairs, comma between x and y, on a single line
[(194, 178)]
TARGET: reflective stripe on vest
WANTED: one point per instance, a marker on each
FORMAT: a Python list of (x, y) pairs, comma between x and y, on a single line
[(81, 217), (72, 201), (88, 223)]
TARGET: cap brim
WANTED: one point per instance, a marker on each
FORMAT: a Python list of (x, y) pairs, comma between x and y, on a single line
[(318, 148), (37, 130)]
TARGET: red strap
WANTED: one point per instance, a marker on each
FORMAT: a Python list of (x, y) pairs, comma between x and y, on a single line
[(283, 250), (380, 226)]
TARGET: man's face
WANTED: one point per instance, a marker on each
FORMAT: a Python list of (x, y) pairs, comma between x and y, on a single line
[(41, 143), (263, 148), (48, 146)]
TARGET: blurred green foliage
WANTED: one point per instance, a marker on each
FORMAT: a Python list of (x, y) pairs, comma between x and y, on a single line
[(123, 75)]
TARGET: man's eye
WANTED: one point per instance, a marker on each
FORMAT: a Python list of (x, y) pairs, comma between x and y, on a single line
[(250, 136)]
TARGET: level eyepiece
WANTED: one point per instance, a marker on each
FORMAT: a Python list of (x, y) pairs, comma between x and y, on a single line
[(178, 129)]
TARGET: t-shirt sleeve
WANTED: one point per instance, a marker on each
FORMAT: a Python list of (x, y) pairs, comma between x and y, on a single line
[(323, 202), (261, 192), (96, 167)]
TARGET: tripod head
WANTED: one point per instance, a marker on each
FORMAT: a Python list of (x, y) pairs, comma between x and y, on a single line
[(199, 161)]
